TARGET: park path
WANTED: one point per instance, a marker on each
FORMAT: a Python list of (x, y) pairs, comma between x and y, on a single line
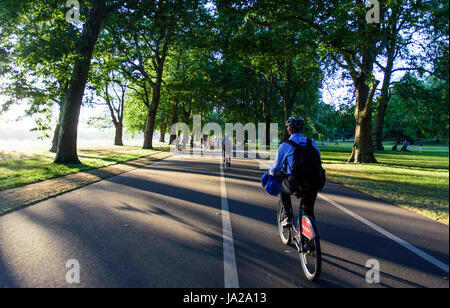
[(187, 222)]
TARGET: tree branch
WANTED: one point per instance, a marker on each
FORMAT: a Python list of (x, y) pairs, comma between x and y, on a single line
[(415, 69)]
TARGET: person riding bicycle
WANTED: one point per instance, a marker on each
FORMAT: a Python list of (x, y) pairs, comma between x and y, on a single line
[(226, 149), (282, 167)]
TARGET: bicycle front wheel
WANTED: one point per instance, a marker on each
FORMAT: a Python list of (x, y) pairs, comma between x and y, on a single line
[(285, 232)]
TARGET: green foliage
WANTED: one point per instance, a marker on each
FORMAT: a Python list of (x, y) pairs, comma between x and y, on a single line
[(135, 116), (241, 61), (419, 108), (39, 46), (101, 122)]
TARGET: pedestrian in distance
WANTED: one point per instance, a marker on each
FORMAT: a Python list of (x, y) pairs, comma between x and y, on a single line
[(405, 146)]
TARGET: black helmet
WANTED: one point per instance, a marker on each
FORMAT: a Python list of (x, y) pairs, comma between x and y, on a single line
[(295, 123)]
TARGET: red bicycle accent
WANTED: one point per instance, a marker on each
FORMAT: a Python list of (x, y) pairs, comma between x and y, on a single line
[(306, 228)]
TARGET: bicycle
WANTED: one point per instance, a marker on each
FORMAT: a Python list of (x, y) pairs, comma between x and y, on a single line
[(226, 159), (305, 237)]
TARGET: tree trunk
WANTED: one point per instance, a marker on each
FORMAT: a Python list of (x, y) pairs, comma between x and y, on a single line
[(54, 147), (379, 124), (149, 129), (267, 118), (162, 137), (382, 106), (174, 119), (288, 104), (267, 133), (67, 143), (118, 139), (156, 98), (362, 151), (151, 116)]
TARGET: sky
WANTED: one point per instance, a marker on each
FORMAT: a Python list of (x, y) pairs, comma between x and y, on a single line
[(10, 128)]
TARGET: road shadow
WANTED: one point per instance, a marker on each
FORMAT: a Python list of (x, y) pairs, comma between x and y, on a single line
[(171, 236)]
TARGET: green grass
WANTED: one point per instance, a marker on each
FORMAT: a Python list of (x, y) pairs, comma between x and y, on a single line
[(17, 169), (414, 180)]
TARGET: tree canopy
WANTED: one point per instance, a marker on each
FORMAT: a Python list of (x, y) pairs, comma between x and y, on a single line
[(156, 63)]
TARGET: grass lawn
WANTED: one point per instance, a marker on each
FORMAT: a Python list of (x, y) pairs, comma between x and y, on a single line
[(414, 180), (21, 168)]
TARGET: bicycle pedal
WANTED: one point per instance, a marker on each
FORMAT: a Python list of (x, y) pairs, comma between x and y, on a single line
[(308, 250)]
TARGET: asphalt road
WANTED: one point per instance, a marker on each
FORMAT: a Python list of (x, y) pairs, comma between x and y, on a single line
[(183, 223)]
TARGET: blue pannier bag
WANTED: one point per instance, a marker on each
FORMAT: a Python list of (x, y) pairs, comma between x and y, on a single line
[(271, 184)]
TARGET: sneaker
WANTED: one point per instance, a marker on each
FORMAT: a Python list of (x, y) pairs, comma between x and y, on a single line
[(287, 222)]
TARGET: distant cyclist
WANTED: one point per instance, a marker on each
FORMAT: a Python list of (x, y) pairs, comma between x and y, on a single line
[(226, 151), (283, 165)]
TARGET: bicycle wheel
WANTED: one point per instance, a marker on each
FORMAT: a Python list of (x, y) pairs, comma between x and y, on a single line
[(285, 233), (311, 255)]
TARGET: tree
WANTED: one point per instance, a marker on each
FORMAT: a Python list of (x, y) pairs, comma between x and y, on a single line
[(289, 70), (402, 22), (111, 86), (247, 97), (39, 45), (135, 114), (419, 108), (345, 121), (324, 122), (143, 35), (67, 142), (190, 84), (344, 35)]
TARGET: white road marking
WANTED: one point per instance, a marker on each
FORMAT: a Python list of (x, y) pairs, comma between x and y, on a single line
[(391, 236), (229, 257), (410, 247)]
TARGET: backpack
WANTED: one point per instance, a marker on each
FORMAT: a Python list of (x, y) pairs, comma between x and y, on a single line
[(307, 171)]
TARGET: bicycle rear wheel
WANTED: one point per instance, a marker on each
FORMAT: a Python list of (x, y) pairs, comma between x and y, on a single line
[(311, 254), (285, 233)]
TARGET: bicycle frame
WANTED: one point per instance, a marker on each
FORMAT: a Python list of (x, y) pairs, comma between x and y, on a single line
[(226, 157), (304, 234), (307, 228)]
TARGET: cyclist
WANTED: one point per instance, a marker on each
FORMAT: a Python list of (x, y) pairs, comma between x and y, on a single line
[(226, 150), (282, 167)]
